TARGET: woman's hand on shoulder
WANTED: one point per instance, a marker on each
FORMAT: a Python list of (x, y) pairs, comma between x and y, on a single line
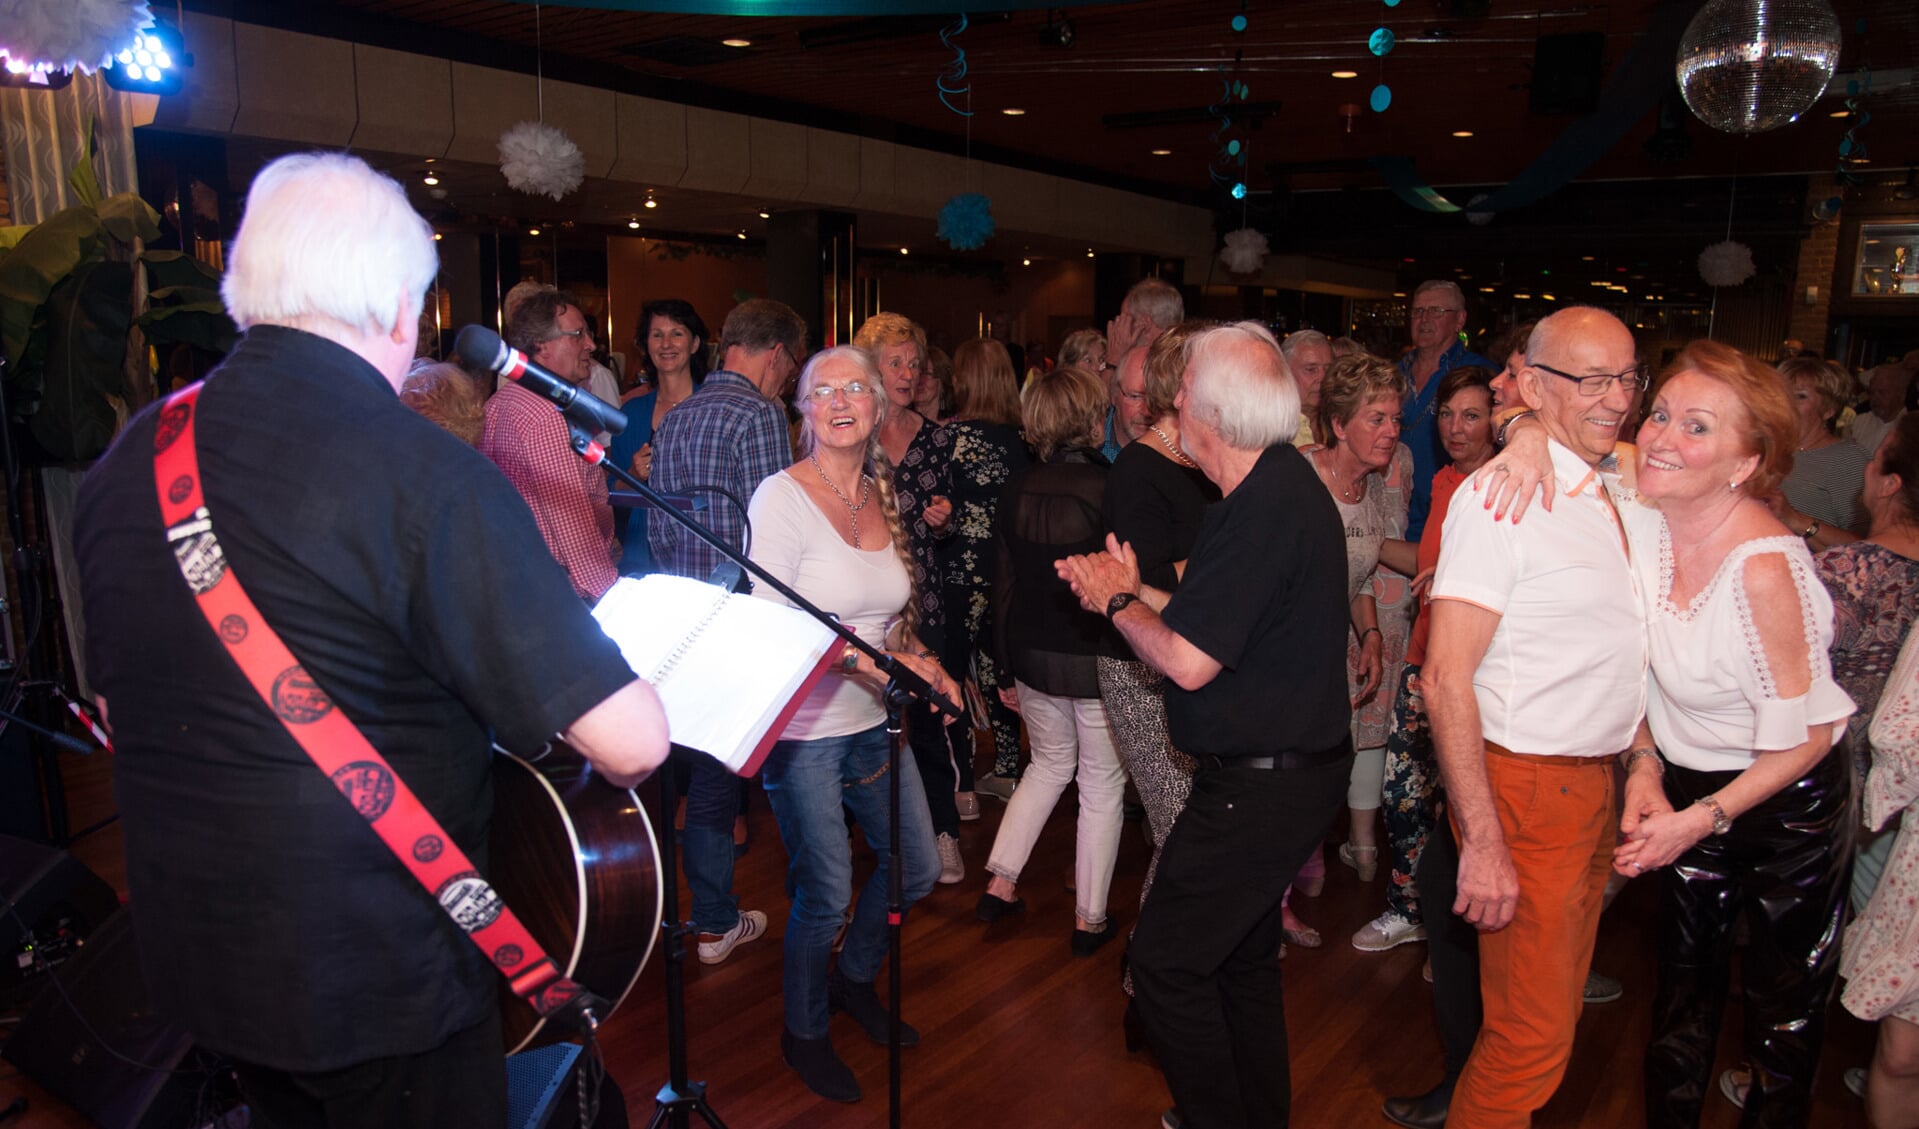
[(1509, 478)]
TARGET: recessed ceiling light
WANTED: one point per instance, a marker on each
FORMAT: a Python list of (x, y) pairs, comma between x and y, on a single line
[(1549, 298), (532, 231), (1585, 258), (634, 223), (1162, 152), (429, 160), (766, 215), (1089, 252), (650, 201), (1602, 282), (1840, 114), (1013, 112), (430, 180), (1399, 293), (1462, 133), (436, 237), (737, 42), (903, 251), (742, 233), (1524, 297), (1345, 74), (1487, 289)]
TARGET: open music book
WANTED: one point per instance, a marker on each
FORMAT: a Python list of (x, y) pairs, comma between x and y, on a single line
[(730, 669)]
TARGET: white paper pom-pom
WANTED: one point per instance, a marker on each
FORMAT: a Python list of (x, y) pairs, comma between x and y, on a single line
[(71, 34), (540, 160), (1726, 264), (1244, 252), (1476, 217)]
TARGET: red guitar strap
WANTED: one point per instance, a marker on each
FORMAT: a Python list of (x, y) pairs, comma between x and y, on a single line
[(336, 745)]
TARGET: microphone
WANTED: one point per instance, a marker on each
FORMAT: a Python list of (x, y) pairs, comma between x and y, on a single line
[(481, 347)]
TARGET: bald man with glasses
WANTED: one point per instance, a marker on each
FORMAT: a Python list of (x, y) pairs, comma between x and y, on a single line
[(1438, 317)]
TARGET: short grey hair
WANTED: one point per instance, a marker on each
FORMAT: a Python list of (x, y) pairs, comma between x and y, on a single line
[(1241, 386), (325, 237), (1156, 300), (1450, 287), (1300, 338)]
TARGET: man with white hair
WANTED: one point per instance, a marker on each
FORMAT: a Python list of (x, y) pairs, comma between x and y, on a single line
[(1257, 631), (404, 575), (1149, 309), (1308, 355), (1438, 316), (1886, 402)]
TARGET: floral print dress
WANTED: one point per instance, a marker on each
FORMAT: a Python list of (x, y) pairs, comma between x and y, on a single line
[(985, 455)]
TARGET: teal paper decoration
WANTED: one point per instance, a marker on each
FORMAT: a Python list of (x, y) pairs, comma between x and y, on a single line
[(966, 221), (1382, 98), (1239, 23), (1381, 41)]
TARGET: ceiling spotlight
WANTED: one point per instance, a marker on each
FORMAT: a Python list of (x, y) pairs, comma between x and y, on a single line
[(1840, 114), (1089, 252), (1399, 293), (1487, 289), (634, 223), (1162, 152), (766, 215), (736, 42), (151, 63), (1462, 133), (436, 237), (430, 180), (650, 201), (1058, 31), (532, 231), (904, 251), (1013, 112), (741, 233), (1345, 74), (1026, 262), (1585, 258), (1523, 297), (1549, 297)]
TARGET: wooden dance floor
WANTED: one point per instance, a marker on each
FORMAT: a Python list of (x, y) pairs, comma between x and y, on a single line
[(1017, 1032)]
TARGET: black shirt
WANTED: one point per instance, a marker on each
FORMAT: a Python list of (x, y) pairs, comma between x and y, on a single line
[(1050, 510), (408, 577), (1265, 596), (1157, 505)]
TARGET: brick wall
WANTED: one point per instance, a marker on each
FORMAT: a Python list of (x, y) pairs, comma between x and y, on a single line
[(1817, 253)]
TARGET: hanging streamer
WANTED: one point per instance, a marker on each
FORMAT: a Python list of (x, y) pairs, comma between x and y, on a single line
[(948, 82), (1850, 146)]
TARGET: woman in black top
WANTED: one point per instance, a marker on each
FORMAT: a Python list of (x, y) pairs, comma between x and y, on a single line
[(1156, 498), (1052, 510), (987, 451)]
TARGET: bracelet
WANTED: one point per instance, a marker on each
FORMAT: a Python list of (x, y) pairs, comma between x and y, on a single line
[(1633, 755), (1505, 428), (923, 654), (1371, 631), (1811, 530)]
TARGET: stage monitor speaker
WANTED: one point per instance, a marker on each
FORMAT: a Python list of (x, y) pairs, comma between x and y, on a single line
[(1566, 73), (56, 903), (79, 1062), (542, 1091)]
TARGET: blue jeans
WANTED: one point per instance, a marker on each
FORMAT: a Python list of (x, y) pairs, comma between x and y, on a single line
[(807, 782), (706, 847)]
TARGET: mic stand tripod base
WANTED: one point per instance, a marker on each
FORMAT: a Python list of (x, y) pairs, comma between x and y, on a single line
[(679, 1099)]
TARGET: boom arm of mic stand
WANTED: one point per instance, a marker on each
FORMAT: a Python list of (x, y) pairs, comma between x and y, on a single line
[(899, 672)]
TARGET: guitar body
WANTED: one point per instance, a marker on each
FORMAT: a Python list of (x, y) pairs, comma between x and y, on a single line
[(575, 858)]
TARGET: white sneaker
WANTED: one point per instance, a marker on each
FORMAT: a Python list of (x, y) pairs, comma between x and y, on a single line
[(1387, 931), (952, 868), (752, 924)]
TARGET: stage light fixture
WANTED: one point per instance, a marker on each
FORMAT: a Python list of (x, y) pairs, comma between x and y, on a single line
[(151, 64)]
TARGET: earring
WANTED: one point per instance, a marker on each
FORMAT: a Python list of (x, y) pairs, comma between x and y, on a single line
[(1732, 486)]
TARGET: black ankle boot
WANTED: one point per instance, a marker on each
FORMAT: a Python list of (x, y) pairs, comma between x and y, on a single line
[(1427, 1111), (862, 1003), (816, 1064)]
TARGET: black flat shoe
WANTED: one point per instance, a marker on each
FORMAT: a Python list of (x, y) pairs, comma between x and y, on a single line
[(1427, 1111), (816, 1064), (991, 909), (863, 1004), (1086, 942)]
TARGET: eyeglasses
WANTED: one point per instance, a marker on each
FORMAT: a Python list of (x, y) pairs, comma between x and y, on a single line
[(1433, 311), (852, 390), (1635, 379), (573, 333)]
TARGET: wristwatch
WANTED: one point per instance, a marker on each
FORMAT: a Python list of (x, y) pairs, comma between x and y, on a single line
[(1720, 823), (1120, 602), (849, 659), (1505, 425)]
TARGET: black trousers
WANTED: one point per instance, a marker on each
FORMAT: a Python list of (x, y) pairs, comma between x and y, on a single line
[(1205, 955), (1453, 946), (460, 1084), (1785, 867)]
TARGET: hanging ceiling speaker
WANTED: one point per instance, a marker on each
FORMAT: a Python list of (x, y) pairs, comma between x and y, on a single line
[(1058, 31)]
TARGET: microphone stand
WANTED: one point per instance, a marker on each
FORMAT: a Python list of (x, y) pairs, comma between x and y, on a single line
[(679, 1097)]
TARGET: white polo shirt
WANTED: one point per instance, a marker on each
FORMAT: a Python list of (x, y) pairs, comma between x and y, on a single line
[(1565, 674)]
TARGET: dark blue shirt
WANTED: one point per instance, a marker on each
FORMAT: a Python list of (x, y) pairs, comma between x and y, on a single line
[(1419, 430)]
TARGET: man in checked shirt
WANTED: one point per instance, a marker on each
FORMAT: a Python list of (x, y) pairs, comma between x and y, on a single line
[(527, 439), (716, 445)]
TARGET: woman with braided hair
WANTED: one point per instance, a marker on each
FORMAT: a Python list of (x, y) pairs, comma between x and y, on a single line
[(829, 526)]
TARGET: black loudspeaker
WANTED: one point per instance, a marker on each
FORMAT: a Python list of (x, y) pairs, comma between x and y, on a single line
[(71, 1041), (56, 903), (542, 1091), (1566, 73)]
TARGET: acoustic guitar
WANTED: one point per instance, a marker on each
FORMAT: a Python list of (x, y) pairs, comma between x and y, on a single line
[(575, 858)]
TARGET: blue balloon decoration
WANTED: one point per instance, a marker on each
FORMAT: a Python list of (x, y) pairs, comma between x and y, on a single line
[(1382, 98), (1232, 148), (966, 221), (1239, 190), (1381, 41), (1392, 3), (1239, 22), (1845, 147)]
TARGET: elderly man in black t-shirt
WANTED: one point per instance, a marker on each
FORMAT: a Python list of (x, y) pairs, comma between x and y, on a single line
[(409, 581), (1253, 646)]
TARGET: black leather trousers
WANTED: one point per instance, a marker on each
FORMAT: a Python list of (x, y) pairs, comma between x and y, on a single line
[(1785, 867)]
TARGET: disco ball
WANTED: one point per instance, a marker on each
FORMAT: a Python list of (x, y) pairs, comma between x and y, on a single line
[(1747, 66)]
